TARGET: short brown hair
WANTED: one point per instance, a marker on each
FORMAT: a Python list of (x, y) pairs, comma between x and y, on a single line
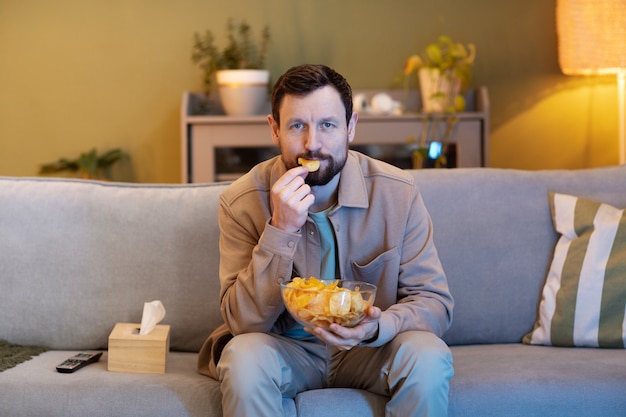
[(304, 79)]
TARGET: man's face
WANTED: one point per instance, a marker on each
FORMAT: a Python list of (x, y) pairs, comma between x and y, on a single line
[(314, 127)]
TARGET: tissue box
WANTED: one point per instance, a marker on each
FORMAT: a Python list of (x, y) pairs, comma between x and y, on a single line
[(131, 352)]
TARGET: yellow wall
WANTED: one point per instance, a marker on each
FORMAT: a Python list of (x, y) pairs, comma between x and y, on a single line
[(78, 74)]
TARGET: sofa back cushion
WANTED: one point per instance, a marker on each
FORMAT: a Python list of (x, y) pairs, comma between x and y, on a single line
[(76, 257), (495, 238)]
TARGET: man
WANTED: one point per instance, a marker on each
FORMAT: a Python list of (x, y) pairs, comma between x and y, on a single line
[(354, 218)]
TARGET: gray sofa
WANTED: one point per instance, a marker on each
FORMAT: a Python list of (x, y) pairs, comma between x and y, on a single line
[(76, 257)]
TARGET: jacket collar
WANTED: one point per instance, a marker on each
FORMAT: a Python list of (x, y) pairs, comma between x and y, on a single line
[(352, 189)]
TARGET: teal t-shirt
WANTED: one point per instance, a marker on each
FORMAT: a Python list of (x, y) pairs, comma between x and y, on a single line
[(328, 244), (329, 261)]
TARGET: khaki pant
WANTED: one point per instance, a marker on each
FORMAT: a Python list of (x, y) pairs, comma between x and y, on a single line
[(257, 370)]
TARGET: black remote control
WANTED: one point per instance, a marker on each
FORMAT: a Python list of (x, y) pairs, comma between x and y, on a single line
[(78, 361)]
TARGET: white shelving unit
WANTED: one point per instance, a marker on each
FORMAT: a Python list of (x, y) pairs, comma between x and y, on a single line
[(220, 148)]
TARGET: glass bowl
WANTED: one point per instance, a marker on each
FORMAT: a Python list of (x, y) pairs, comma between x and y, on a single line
[(312, 302)]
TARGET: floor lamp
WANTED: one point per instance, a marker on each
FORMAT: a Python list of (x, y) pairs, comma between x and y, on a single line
[(592, 40)]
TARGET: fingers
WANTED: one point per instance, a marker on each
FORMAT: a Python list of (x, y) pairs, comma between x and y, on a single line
[(345, 338), (291, 187), (291, 199), (290, 175), (373, 312), (337, 336)]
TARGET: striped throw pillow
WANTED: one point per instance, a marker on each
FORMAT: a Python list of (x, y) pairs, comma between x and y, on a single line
[(584, 297)]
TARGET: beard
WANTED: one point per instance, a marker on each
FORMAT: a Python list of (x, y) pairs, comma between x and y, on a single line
[(330, 166)]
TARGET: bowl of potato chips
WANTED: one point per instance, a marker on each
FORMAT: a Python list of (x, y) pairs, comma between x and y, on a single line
[(314, 302)]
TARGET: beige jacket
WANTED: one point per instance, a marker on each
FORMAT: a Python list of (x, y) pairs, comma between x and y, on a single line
[(384, 236)]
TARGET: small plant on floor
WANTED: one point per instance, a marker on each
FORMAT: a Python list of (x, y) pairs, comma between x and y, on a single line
[(89, 165)]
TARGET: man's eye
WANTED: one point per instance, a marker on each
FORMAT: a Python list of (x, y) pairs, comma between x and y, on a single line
[(297, 126), (327, 125)]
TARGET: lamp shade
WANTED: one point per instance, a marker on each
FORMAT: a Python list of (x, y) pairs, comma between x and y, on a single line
[(592, 36)]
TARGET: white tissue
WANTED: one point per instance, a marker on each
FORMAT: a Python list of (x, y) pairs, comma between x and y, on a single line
[(153, 313)]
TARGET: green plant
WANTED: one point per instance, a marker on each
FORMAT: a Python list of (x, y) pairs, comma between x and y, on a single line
[(89, 165), (241, 52), (453, 60)]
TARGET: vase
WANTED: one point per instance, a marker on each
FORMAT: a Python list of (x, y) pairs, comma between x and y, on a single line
[(243, 92), (438, 91), (417, 159)]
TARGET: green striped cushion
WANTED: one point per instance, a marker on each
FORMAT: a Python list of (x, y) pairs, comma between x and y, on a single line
[(584, 297)]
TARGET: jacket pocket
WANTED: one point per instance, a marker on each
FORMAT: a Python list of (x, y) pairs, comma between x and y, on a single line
[(384, 264)]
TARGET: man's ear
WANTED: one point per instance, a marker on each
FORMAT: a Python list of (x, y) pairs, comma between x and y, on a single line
[(352, 127), (274, 128)]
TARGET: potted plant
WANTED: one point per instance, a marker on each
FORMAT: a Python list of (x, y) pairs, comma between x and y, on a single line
[(444, 70), (89, 165), (238, 70)]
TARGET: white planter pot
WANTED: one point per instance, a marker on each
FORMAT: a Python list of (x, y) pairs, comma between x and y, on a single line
[(243, 92), (437, 91)]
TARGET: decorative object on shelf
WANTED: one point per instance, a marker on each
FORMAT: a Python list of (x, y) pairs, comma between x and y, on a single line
[(592, 41), (432, 147), (379, 104), (444, 71), (238, 71), (89, 165), (243, 92)]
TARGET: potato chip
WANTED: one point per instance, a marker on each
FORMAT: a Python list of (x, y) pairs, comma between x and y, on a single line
[(320, 303), (311, 164)]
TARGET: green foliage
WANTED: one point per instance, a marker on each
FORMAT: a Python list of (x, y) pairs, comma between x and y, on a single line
[(453, 62), (448, 57), (89, 165), (241, 52)]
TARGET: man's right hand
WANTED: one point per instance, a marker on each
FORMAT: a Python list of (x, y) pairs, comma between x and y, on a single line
[(291, 199)]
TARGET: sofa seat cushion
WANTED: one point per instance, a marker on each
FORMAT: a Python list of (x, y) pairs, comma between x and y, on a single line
[(490, 380), (526, 380), (35, 388), (334, 402), (506, 380)]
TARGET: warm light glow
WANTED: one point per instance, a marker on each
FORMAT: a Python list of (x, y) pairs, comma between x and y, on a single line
[(592, 36), (592, 40)]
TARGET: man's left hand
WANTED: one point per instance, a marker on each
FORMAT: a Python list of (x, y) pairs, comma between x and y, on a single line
[(345, 338)]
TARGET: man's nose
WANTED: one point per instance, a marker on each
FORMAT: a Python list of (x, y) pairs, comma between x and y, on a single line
[(313, 140)]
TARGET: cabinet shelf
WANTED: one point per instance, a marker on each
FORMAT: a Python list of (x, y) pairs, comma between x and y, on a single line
[(221, 148)]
